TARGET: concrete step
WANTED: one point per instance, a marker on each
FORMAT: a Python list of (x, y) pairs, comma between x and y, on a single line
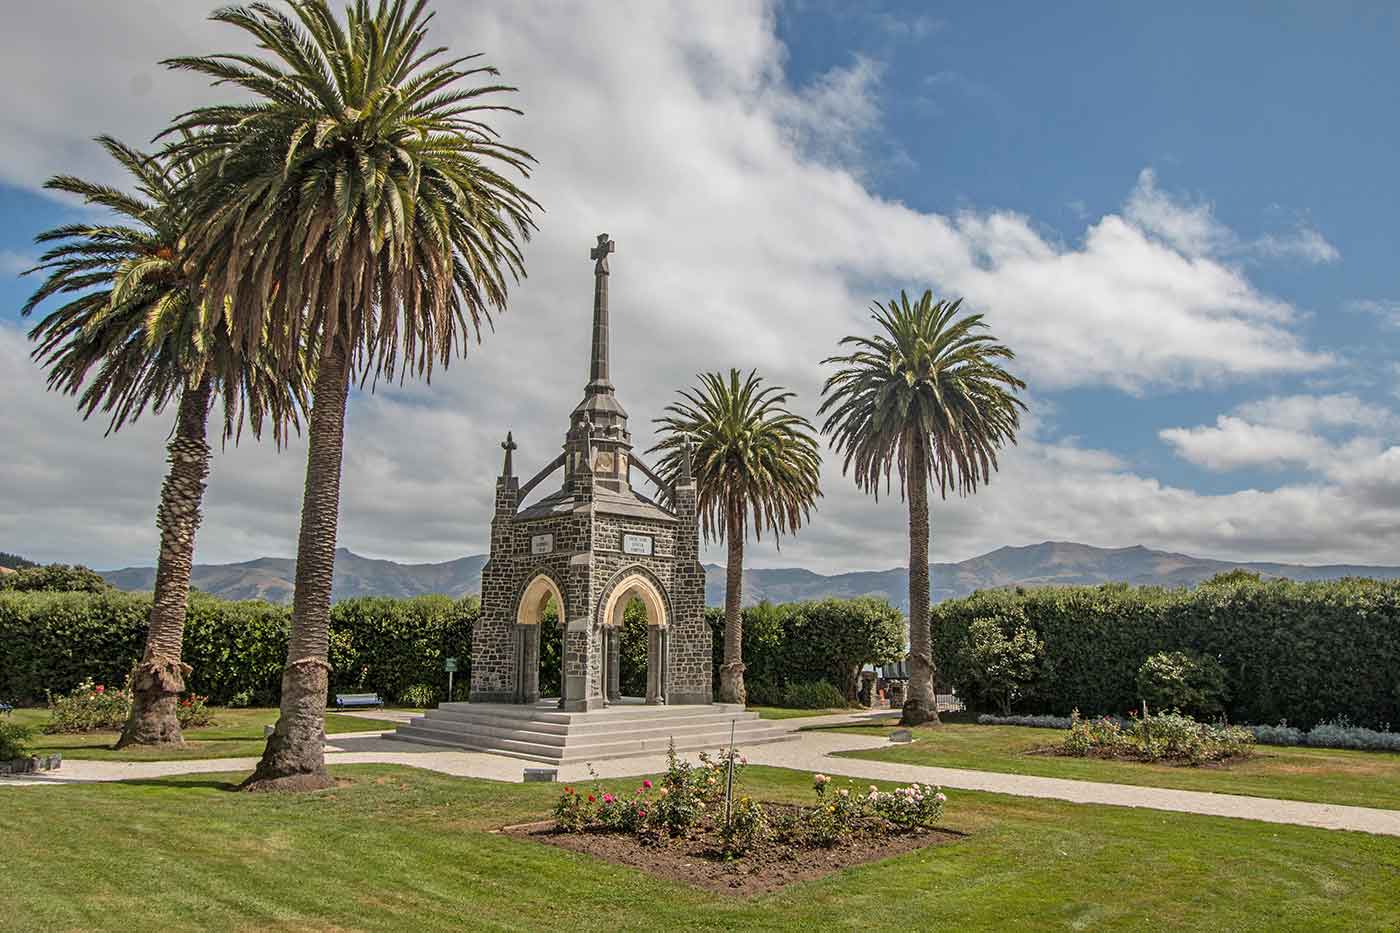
[(623, 712), (586, 734), (586, 724), (539, 746)]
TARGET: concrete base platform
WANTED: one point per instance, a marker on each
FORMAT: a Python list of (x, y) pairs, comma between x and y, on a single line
[(543, 732)]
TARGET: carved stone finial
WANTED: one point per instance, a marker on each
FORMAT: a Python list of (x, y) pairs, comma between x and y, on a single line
[(586, 428), (508, 446), (686, 456)]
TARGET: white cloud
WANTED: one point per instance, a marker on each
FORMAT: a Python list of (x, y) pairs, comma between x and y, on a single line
[(1234, 442), (1303, 412), (1386, 309), (1304, 243), (745, 238)]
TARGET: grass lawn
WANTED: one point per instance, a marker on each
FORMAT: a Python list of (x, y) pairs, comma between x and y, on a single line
[(1366, 779), (236, 733), (401, 849)]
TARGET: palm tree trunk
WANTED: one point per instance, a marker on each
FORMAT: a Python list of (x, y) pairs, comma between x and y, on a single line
[(920, 706), (295, 756), (731, 673), (158, 681)]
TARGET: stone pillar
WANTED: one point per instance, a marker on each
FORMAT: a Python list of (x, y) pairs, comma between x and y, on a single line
[(654, 660), (613, 637), (495, 665), (529, 663)]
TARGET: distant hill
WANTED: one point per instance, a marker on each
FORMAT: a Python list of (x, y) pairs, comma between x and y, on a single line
[(1054, 563), (14, 562), (272, 578)]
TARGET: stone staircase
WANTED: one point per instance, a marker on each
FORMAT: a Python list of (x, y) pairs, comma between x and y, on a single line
[(544, 733)]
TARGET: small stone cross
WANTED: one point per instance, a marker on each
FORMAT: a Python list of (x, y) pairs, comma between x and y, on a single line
[(600, 253), (508, 445)]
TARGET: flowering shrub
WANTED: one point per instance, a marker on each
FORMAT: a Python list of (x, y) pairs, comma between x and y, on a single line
[(96, 708), (573, 812), (194, 711), (918, 806), (836, 816), (419, 696), (88, 708), (625, 813), (1168, 737), (747, 827), (1340, 733)]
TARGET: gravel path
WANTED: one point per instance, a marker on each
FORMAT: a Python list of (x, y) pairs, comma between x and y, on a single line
[(811, 751)]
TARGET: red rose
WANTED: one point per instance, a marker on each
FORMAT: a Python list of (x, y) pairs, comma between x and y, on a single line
[(590, 798), (99, 689)]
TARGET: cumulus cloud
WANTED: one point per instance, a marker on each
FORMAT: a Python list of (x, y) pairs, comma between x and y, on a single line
[(746, 237)]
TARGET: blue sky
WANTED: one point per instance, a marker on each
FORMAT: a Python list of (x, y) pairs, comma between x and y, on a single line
[(1181, 217)]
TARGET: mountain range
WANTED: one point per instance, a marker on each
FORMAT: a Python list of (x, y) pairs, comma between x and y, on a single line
[(1052, 563)]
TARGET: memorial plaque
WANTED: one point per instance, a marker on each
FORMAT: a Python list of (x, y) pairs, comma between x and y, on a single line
[(542, 544), (641, 545)]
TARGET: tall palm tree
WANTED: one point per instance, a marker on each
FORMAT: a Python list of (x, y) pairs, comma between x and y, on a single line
[(753, 461), (134, 338), (358, 205), (927, 397)]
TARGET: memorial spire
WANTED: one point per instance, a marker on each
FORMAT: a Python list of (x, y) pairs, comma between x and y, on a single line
[(598, 379)]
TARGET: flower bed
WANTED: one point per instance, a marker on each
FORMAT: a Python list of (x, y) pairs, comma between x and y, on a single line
[(678, 829), (96, 708), (1170, 738)]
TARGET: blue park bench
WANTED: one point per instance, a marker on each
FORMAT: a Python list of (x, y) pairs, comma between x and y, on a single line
[(6, 708), (349, 700)]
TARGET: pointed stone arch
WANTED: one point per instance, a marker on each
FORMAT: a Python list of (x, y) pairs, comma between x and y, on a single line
[(529, 612), (530, 605), (635, 581), (626, 583)]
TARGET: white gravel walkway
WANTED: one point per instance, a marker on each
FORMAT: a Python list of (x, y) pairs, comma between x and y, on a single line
[(810, 751)]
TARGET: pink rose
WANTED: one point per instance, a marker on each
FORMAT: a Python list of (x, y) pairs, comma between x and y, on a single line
[(607, 798), (647, 784), (99, 689)]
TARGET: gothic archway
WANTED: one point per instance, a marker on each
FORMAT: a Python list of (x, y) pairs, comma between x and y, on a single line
[(539, 593), (631, 584)]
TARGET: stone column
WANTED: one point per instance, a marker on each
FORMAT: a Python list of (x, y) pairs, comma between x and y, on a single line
[(529, 663), (653, 664), (614, 663)]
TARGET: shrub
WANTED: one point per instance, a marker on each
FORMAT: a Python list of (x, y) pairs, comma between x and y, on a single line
[(54, 578), (747, 827), (193, 712), (236, 649), (572, 812), (88, 707), (1004, 657), (1036, 722), (1304, 652), (1342, 734), (836, 814), (804, 642), (815, 695), (1282, 734), (14, 740), (918, 806), (1168, 737), (419, 695), (1188, 681)]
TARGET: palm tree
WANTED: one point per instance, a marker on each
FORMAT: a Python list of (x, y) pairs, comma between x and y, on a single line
[(753, 461), (135, 338), (358, 206), (927, 397)]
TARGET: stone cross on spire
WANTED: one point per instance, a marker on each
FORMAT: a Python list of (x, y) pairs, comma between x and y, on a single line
[(508, 445), (598, 380)]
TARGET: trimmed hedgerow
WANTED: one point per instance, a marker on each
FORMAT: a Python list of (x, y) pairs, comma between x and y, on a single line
[(817, 640), (1301, 652), (55, 641)]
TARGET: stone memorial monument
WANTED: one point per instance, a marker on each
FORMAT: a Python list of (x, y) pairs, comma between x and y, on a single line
[(592, 546)]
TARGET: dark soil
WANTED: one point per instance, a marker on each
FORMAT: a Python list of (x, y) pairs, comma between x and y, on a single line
[(697, 859)]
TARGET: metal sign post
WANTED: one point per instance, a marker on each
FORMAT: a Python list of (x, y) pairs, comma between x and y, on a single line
[(451, 666)]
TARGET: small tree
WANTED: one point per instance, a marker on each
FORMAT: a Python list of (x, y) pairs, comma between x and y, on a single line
[(1188, 681), (1003, 664)]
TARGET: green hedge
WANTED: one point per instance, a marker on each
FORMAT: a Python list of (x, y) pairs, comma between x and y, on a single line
[(52, 641), (1301, 652), (807, 642)]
